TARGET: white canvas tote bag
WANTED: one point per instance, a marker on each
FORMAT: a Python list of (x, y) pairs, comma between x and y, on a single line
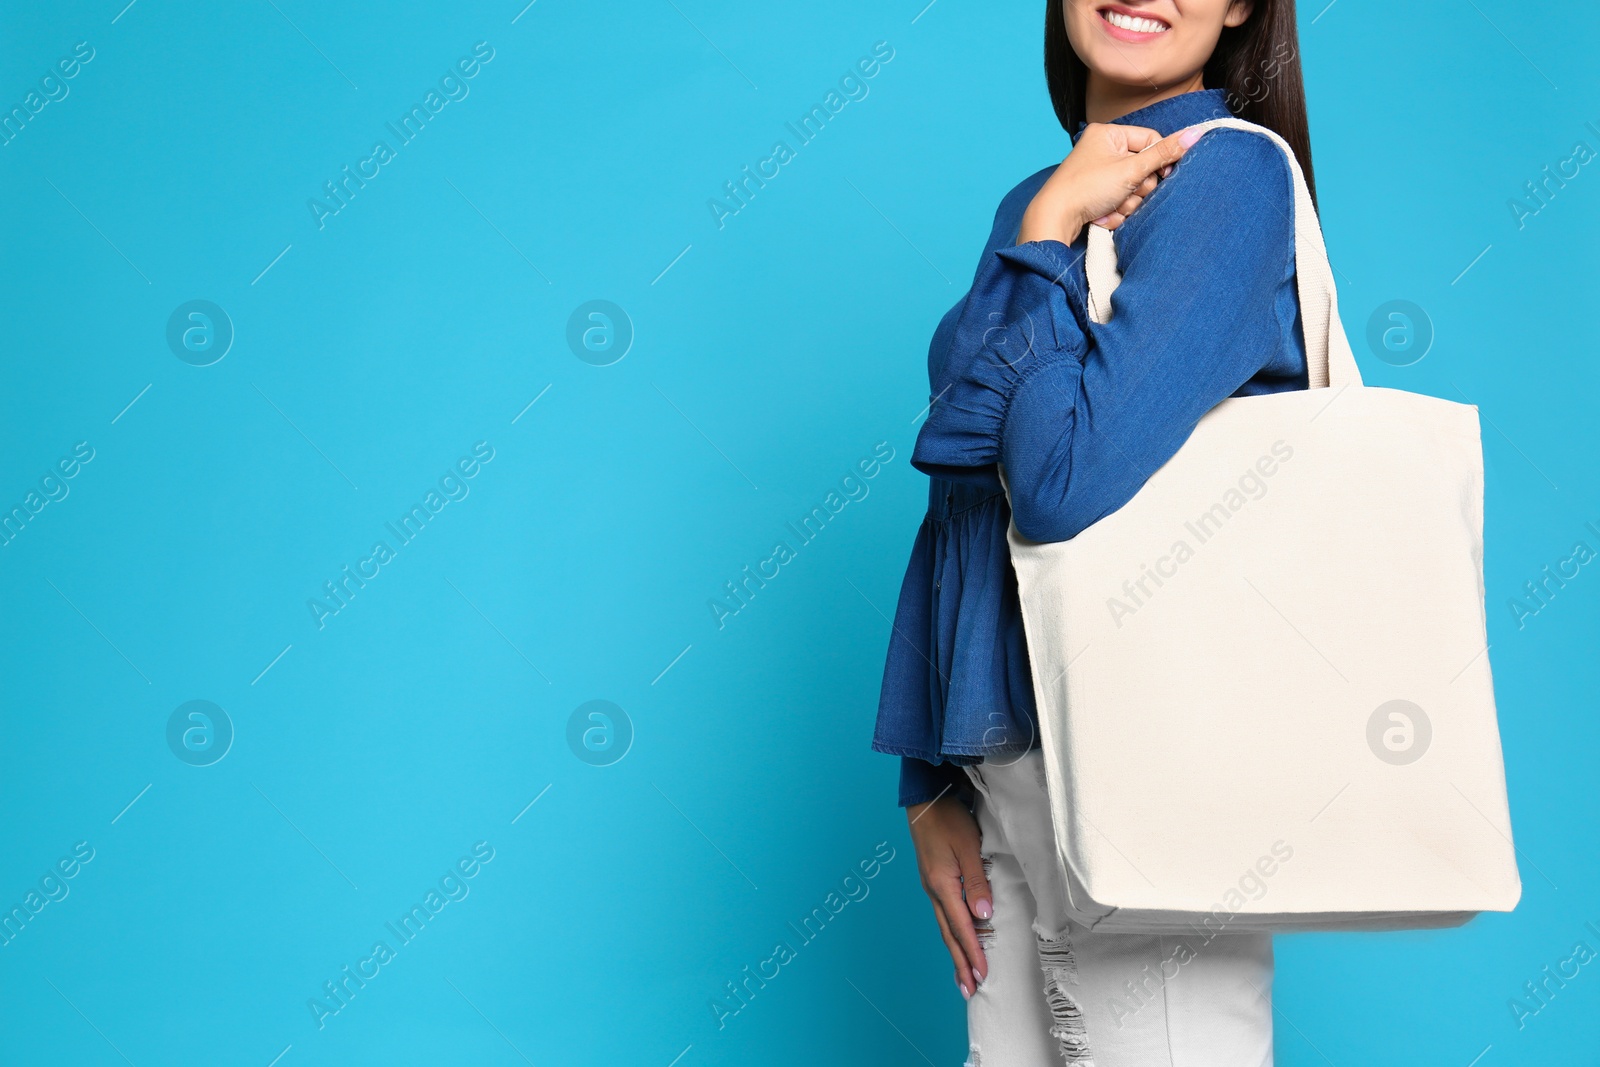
[(1263, 684)]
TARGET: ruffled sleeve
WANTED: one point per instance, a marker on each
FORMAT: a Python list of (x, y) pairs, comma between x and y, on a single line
[(1200, 311), (921, 781), (1018, 321)]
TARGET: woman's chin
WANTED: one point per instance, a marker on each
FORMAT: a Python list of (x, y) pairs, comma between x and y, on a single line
[(1114, 66)]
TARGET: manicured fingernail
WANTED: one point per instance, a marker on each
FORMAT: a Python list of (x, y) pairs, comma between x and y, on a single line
[(963, 987), (984, 910), (979, 979), (1189, 137), (1102, 220), (1166, 170)]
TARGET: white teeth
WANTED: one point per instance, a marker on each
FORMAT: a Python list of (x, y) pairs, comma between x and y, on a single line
[(1137, 25)]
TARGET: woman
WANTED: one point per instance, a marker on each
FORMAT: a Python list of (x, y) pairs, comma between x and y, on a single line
[(1080, 415)]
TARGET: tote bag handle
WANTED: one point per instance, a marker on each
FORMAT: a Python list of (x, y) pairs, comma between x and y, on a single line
[(1329, 361)]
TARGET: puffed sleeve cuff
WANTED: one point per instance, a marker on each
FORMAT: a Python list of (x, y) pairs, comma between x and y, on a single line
[(1062, 266), (921, 781), (1048, 259), (1019, 319)]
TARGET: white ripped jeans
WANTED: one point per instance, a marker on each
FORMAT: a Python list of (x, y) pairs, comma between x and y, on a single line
[(1058, 992)]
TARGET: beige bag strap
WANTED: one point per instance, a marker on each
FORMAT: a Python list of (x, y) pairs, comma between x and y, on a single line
[(1329, 360)]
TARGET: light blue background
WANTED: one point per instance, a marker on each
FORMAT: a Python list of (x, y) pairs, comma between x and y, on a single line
[(774, 353)]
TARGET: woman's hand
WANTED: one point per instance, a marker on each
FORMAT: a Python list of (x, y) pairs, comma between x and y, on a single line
[(947, 842), (1104, 179)]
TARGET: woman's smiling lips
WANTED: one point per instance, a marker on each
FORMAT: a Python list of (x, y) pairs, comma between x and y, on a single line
[(1128, 24)]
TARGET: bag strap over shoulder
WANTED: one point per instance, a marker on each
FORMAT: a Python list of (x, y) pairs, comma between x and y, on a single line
[(1329, 361)]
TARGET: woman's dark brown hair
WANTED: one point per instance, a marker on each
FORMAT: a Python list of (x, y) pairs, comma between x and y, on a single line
[(1257, 63)]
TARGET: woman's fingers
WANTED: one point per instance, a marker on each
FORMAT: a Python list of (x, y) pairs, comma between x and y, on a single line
[(1116, 218), (975, 883), (1108, 164), (944, 833), (959, 919), (1137, 138), (1160, 155), (979, 900), (964, 977)]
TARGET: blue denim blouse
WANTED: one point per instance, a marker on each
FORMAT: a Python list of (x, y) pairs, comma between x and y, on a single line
[(1080, 415)]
